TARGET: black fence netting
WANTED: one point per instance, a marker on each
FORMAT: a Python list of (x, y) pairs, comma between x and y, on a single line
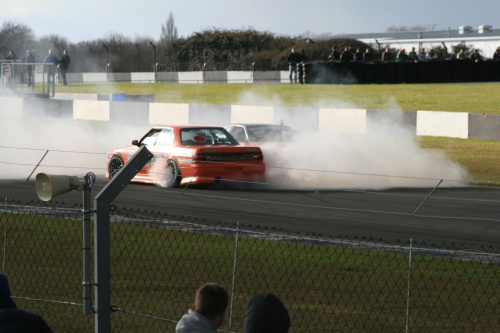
[(328, 284)]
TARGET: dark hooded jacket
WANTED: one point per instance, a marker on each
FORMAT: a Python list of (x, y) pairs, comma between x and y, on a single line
[(14, 320), (266, 314)]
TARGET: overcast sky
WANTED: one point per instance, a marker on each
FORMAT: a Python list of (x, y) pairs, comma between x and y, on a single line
[(84, 20)]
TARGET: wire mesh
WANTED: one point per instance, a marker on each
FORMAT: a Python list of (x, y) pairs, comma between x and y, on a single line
[(328, 284)]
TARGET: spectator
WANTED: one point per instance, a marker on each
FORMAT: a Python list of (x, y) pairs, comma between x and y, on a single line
[(30, 59), (358, 56), (368, 55), (335, 55), (13, 319), (303, 56), (64, 64), (208, 312), (12, 56), (51, 70), (300, 69), (346, 55), (461, 54), (412, 55), (401, 56), (431, 55), (496, 55), (475, 56), (421, 55), (387, 55), (266, 314), (293, 59)]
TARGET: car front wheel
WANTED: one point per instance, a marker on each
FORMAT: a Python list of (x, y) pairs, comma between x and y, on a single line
[(115, 164)]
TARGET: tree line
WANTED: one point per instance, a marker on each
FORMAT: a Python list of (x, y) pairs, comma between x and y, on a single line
[(211, 49)]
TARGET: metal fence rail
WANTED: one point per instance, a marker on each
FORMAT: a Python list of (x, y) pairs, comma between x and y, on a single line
[(328, 284)]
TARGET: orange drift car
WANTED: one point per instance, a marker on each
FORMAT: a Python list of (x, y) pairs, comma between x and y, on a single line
[(191, 155)]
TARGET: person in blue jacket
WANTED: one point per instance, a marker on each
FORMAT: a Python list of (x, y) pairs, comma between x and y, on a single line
[(51, 70)]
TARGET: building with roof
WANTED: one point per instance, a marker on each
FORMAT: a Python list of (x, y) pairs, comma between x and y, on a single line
[(485, 38)]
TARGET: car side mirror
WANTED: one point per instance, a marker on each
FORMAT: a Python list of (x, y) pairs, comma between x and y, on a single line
[(135, 143)]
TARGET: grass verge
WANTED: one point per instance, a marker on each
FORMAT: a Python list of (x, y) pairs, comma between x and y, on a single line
[(156, 270)]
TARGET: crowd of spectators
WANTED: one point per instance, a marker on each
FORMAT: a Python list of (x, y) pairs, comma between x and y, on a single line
[(401, 55)]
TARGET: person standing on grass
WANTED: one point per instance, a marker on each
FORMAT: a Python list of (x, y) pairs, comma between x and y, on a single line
[(208, 312), (30, 59), (13, 319), (293, 60), (51, 59), (64, 64)]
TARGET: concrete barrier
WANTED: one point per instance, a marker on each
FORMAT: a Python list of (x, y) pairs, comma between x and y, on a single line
[(86, 107), (133, 112), (252, 114), (266, 77), (168, 77), (119, 77), (302, 119), (43, 107), (91, 110), (449, 124), (484, 126), (190, 77), (215, 77), (376, 119), (74, 77), (168, 114), (239, 77), (342, 120), (204, 114), (95, 77), (142, 77)]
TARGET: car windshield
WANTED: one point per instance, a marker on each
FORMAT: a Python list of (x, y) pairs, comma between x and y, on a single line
[(206, 136)]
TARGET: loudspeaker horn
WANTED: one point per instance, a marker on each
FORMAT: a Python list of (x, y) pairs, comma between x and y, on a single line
[(50, 186)]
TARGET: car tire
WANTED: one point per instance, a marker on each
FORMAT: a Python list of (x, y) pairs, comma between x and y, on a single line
[(172, 177), (115, 164)]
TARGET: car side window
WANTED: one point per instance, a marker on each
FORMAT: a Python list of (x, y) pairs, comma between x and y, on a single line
[(165, 138), (150, 139)]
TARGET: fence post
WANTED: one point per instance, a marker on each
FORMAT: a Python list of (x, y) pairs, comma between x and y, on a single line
[(234, 274), (5, 236), (102, 237), (408, 290), (87, 297)]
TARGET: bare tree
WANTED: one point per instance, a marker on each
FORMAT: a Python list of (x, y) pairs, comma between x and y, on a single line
[(169, 30), (55, 43), (15, 36)]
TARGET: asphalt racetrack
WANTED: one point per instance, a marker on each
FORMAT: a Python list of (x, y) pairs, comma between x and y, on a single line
[(468, 216)]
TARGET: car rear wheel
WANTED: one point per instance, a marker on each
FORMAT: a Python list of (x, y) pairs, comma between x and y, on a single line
[(172, 176), (115, 165)]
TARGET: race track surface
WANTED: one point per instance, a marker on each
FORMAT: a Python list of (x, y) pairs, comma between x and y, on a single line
[(452, 216)]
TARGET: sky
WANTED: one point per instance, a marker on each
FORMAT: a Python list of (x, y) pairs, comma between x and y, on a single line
[(88, 20)]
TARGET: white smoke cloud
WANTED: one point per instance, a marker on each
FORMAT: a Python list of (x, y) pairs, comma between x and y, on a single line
[(61, 146), (385, 157)]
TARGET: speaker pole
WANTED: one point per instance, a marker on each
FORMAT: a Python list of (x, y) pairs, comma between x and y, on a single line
[(87, 285), (102, 239)]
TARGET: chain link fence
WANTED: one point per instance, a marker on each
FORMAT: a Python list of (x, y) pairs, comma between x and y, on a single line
[(328, 284)]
